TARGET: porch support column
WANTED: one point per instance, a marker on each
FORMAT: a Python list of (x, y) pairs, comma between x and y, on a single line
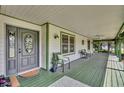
[(116, 47), (99, 43), (108, 47), (119, 50)]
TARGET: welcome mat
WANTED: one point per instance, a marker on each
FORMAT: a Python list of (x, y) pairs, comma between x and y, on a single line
[(66, 81), (30, 73)]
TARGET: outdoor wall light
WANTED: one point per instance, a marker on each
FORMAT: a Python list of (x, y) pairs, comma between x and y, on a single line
[(56, 36)]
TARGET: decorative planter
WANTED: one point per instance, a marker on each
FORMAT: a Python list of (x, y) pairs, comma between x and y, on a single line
[(54, 68)]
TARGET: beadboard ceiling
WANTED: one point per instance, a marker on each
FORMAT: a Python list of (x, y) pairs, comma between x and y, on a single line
[(98, 22)]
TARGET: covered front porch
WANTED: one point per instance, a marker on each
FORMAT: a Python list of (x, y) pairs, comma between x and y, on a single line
[(93, 42)]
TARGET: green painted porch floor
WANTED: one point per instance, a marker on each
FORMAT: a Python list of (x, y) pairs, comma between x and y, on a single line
[(90, 71)]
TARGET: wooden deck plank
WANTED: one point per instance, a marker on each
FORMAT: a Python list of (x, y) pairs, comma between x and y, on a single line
[(122, 76), (109, 64), (119, 77), (90, 76), (101, 75), (108, 83), (99, 80), (105, 79), (92, 79), (120, 65), (113, 77)]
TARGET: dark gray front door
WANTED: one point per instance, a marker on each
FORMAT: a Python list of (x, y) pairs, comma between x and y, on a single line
[(27, 49), (22, 49)]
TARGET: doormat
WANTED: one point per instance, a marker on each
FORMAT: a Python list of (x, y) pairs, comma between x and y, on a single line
[(30, 73), (66, 81)]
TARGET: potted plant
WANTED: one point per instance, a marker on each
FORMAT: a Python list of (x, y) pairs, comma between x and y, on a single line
[(4, 81)]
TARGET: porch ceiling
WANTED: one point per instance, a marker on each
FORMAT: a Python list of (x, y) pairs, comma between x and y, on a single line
[(93, 21)]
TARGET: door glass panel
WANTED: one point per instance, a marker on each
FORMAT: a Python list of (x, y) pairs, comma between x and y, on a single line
[(28, 43), (11, 44)]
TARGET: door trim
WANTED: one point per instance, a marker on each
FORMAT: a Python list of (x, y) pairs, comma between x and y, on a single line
[(6, 46)]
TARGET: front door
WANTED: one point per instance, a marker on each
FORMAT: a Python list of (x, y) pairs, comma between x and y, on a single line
[(22, 49)]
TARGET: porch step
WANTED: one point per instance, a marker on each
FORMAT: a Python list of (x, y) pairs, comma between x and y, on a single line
[(30, 73), (14, 81)]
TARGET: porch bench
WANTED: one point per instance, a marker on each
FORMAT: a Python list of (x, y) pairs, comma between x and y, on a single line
[(59, 59)]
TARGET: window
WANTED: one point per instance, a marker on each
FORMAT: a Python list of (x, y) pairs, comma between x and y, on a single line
[(82, 42), (11, 44), (88, 42), (64, 43), (71, 44), (67, 43)]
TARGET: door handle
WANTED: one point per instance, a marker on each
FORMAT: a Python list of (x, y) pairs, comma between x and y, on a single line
[(19, 50)]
